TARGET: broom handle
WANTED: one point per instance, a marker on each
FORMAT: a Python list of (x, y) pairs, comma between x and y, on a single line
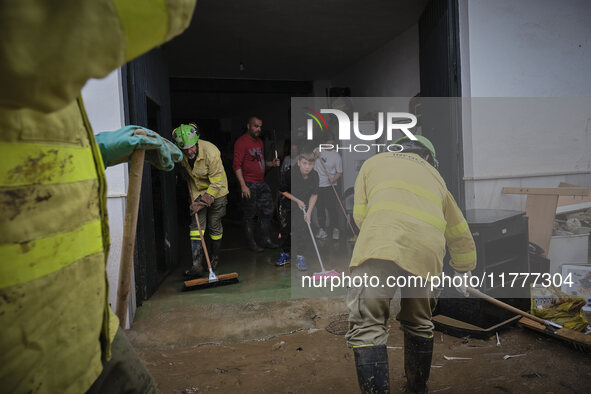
[(509, 307), (136, 170), (314, 242), (200, 233), (338, 198)]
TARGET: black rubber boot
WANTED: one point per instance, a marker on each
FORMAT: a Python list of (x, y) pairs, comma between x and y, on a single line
[(372, 369), (417, 362), (216, 245), (249, 233), (266, 232), (197, 269)]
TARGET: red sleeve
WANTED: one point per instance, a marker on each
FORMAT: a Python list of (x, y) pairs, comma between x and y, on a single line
[(238, 154)]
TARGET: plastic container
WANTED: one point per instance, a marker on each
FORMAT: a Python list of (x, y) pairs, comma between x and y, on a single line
[(568, 249)]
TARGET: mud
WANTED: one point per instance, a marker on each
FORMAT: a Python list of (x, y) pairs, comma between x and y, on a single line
[(253, 337), (315, 361)]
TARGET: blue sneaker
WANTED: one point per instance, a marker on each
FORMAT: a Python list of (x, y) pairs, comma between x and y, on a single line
[(283, 259), (301, 262)]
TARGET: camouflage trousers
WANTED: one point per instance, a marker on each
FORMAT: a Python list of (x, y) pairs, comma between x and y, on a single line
[(260, 202)]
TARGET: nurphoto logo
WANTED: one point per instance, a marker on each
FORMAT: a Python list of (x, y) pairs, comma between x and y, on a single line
[(393, 121)]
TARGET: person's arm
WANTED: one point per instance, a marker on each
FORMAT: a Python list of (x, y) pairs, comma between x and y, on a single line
[(360, 199), (458, 236), (45, 67), (273, 163), (311, 204), (293, 198), (239, 152), (216, 175), (117, 146), (336, 177), (245, 191), (339, 168)]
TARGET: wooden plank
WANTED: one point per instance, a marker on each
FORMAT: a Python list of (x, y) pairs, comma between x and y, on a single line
[(571, 200), (562, 191), (449, 321), (540, 210)]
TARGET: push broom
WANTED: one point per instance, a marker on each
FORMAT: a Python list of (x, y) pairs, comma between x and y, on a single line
[(212, 278), (323, 273), (577, 339)]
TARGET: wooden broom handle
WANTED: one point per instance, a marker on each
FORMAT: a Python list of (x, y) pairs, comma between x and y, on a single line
[(503, 305), (201, 235), (136, 170)]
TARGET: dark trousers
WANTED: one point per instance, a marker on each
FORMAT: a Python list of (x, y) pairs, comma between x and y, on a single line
[(260, 202), (299, 232), (327, 203), (285, 223)]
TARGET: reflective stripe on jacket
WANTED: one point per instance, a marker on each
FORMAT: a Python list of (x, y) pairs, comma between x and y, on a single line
[(406, 214), (207, 174), (55, 322)]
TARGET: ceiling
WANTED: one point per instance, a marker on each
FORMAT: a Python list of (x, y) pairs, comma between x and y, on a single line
[(285, 39)]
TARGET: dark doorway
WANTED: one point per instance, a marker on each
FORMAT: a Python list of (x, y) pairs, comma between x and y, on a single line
[(221, 108), (439, 63), (148, 105), (161, 269)]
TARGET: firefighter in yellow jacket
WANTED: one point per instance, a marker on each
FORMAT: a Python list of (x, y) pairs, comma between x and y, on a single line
[(406, 216), (202, 165), (56, 327)]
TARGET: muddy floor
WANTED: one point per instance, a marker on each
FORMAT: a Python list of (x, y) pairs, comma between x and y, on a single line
[(315, 361), (258, 336)]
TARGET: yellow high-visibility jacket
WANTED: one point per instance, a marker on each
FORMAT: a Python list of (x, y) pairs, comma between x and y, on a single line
[(406, 215), (207, 175), (55, 321)]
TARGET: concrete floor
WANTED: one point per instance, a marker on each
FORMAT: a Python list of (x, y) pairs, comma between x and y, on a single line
[(261, 304)]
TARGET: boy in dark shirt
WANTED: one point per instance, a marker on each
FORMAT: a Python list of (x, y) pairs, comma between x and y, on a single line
[(305, 188)]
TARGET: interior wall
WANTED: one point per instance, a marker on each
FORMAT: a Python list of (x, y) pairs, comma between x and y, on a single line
[(103, 100), (391, 71), (529, 48), (525, 49)]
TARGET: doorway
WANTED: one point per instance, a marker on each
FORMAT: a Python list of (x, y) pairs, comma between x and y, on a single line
[(439, 63)]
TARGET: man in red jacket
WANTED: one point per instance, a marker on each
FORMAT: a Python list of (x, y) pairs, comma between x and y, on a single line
[(249, 166)]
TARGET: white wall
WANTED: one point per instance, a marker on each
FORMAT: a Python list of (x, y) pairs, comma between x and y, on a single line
[(103, 100), (530, 48), (537, 50), (391, 71)]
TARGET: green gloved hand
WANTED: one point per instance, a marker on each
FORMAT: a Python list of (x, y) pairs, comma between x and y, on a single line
[(117, 146)]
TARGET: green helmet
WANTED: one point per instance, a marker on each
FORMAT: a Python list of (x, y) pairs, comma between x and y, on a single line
[(423, 142), (186, 135)]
